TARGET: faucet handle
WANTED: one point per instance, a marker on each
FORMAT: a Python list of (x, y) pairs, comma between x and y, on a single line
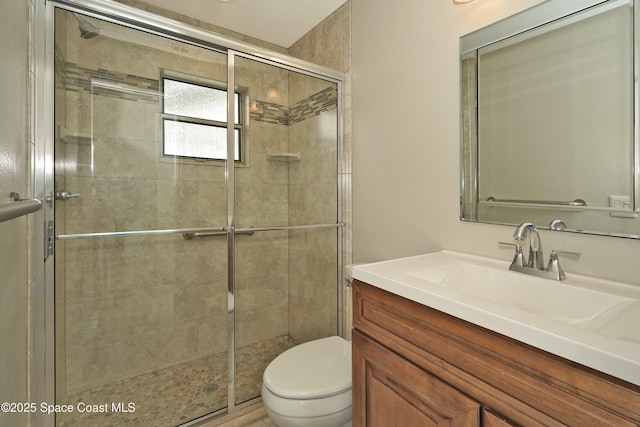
[(518, 259), (515, 245), (554, 263), (557, 225), (556, 252)]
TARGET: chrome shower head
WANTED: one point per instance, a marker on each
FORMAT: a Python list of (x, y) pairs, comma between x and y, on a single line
[(87, 29)]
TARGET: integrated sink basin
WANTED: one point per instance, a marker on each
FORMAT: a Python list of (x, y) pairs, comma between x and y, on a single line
[(532, 294), (590, 321)]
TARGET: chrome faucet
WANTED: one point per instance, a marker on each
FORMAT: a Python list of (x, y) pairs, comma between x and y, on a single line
[(536, 257), (535, 264)]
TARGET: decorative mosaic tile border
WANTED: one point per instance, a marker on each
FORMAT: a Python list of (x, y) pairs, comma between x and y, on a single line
[(321, 102), (262, 111), (110, 83), (135, 88)]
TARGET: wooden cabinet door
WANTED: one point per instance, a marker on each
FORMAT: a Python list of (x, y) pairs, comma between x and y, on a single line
[(390, 391)]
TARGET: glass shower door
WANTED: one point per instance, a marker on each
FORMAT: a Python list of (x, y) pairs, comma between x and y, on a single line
[(286, 217), (141, 310)]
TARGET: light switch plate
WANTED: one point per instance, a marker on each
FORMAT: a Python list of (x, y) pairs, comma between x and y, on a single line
[(620, 202)]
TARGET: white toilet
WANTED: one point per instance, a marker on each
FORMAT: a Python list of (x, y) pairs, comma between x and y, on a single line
[(309, 385)]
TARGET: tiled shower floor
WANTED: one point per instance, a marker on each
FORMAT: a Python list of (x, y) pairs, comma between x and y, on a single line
[(177, 394)]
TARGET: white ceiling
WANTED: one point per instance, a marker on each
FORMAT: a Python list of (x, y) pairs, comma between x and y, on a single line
[(282, 22)]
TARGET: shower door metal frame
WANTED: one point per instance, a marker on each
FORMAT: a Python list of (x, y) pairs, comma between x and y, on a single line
[(44, 173)]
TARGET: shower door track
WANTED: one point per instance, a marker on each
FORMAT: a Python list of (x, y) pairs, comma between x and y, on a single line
[(217, 230)]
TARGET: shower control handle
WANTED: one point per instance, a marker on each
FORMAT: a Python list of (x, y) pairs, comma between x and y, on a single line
[(66, 195)]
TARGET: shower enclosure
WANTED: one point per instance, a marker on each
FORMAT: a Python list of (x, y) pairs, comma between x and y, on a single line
[(197, 228)]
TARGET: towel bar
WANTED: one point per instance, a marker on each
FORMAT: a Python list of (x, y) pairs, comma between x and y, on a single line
[(18, 207)]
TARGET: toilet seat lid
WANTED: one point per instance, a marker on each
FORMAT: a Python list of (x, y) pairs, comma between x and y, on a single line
[(314, 369)]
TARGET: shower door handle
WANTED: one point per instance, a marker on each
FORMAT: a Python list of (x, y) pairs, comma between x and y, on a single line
[(65, 195), (189, 235)]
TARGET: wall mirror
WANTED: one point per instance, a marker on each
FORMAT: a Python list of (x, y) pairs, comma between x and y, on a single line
[(549, 120)]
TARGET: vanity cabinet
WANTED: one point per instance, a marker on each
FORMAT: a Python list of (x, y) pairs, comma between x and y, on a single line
[(399, 393), (416, 366)]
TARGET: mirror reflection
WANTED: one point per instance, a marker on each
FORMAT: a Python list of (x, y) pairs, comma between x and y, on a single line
[(548, 119)]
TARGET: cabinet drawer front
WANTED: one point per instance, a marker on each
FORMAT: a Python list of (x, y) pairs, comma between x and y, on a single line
[(527, 385)]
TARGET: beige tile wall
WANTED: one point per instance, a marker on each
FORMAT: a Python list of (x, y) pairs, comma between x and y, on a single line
[(329, 44), (313, 261), (136, 304)]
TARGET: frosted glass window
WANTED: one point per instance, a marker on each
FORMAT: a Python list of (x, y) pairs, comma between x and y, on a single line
[(195, 120), (201, 102), (199, 141)]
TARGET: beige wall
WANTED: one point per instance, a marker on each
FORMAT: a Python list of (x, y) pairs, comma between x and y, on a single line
[(15, 150), (406, 140)]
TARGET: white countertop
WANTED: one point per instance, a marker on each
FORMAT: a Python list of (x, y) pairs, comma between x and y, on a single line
[(590, 321)]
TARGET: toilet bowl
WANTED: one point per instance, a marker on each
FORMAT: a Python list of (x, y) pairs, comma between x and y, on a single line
[(309, 385)]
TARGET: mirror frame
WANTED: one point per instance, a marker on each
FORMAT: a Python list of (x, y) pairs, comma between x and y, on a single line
[(529, 19)]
